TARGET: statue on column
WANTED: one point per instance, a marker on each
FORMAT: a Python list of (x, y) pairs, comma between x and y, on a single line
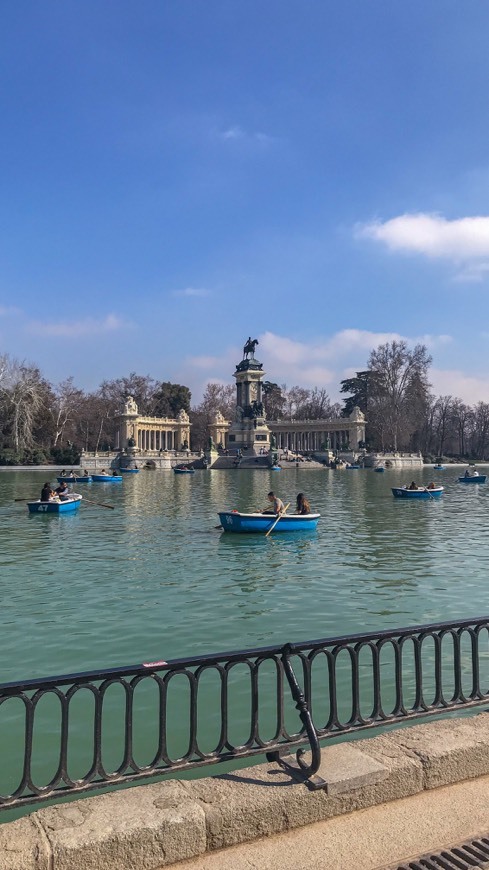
[(130, 406), (249, 348)]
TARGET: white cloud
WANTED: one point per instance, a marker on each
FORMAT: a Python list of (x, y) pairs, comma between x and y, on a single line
[(432, 235), (453, 382), (343, 343), (324, 362), (192, 292), (78, 328)]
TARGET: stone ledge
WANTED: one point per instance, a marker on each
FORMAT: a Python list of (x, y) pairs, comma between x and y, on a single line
[(152, 826)]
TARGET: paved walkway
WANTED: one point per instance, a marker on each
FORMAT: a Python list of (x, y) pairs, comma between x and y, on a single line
[(368, 839)]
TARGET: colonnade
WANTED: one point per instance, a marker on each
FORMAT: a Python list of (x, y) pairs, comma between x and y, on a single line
[(311, 440), (155, 439)]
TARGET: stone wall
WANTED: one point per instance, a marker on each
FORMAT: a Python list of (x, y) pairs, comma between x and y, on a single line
[(155, 825)]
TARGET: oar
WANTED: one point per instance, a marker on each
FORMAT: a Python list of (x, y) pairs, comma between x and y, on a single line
[(276, 521), (99, 503)]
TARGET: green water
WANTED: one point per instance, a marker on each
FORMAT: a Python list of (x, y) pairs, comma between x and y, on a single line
[(153, 579)]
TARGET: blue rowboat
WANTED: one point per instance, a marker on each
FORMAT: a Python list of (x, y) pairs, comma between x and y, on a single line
[(184, 470), (439, 467), (86, 479), (276, 468), (234, 521), (379, 469), (352, 466), (61, 506), (421, 492), (473, 478), (129, 470), (107, 478)]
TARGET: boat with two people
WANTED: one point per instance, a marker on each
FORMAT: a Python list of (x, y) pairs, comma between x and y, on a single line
[(55, 504), (472, 476), (235, 521), (274, 518), (104, 477), (417, 492), (73, 477), (184, 469)]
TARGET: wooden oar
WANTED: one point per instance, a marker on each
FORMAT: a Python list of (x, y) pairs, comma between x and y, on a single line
[(99, 503), (276, 521)]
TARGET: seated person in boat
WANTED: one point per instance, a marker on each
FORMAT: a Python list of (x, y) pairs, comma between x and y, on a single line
[(47, 493), (302, 506), (467, 473), (63, 473), (431, 485), (86, 473), (277, 504), (62, 490), (413, 485), (115, 473)]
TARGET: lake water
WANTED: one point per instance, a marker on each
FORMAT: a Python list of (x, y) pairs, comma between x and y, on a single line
[(154, 579)]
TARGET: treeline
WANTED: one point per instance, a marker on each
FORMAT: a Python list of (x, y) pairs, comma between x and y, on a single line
[(43, 422), (403, 414)]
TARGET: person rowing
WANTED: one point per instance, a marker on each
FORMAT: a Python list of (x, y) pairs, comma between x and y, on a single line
[(62, 490), (277, 505)]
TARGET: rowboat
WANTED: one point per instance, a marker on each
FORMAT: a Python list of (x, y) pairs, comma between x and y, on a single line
[(276, 468), (107, 478), (234, 521), (379, 469), (473, 478), (55, 506), (421, 492), (129, 470), (353, 465), (439, 467), (71, 479), (184, 470)]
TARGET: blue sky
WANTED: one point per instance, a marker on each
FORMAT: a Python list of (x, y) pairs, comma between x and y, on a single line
[(179, 175)]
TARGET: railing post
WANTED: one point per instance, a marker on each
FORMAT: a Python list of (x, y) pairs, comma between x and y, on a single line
[(296, 766)]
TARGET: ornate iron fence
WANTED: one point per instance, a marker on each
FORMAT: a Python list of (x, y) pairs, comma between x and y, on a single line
[(79, 732)]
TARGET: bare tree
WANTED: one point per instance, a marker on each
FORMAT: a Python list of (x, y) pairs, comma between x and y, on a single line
[(480, 434), (463, 419), (22, 390), (68, 400), (400, 390), (217, 397)]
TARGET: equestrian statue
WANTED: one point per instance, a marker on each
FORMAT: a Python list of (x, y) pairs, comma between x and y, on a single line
[(249, 348)]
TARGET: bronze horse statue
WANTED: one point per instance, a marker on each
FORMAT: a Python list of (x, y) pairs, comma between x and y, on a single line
[(249, 348)]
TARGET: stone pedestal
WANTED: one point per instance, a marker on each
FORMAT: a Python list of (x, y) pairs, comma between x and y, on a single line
[(249, 432)]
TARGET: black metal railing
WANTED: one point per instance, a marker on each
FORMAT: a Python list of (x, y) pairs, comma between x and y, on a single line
[(79, 732)]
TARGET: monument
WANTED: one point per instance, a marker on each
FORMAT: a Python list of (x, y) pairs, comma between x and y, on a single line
[(249, 431)]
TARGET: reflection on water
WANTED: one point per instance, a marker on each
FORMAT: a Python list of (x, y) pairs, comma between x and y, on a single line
[(155, 579)]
